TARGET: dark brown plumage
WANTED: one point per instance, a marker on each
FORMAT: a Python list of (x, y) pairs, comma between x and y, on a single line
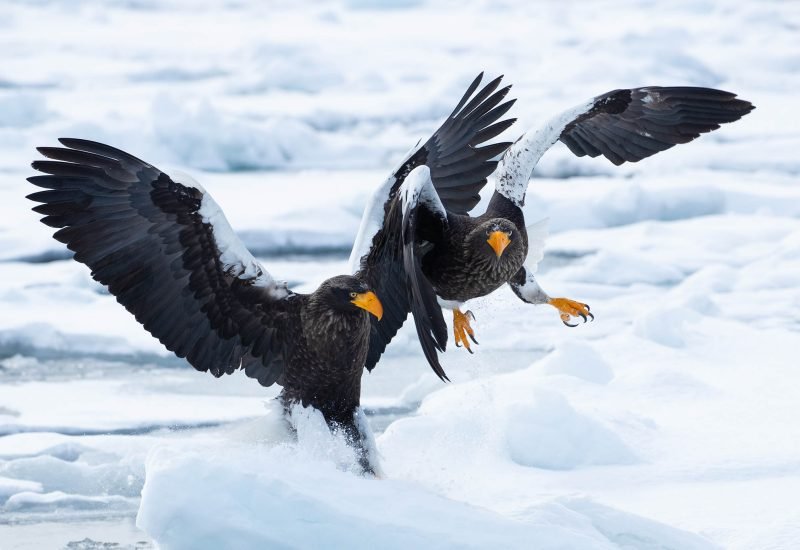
[(165, 250), (452, 257), (462, 264), (630, 125), (459, 164)]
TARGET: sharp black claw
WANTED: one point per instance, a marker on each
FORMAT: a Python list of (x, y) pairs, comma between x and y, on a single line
[(570, 326), (469, 350), (587, 307), (470, 314), (471, 337), (584, 316), (458, 345), (592, 316)]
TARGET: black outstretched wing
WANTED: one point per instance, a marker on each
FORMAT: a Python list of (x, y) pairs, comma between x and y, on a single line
[(384, 271), (458, 167), (167, 253), (419, 199), (629, 125)]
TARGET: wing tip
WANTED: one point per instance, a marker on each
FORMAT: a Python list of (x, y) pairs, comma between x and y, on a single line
[(72, 143), (745, 107), (495, 82)]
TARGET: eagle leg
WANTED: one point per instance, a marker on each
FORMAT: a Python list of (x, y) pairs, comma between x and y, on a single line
[(462, 328), (570, 308)]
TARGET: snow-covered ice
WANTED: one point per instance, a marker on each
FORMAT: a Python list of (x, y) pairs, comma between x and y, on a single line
[(669, 422), (259, 498)]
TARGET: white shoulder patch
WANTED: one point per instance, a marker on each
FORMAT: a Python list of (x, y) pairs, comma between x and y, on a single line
[(418, 188), (185, 179), (516, 166), (371, 223), (372, 219), (234, 256)]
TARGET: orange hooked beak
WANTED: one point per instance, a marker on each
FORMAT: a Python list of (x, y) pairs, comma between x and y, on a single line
[(369, 301), (499, 240)]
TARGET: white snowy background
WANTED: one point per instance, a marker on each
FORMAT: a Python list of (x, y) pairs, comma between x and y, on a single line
[(672, 421)]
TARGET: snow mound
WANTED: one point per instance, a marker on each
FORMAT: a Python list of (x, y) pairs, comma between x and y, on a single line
[(629, 531), (586, 203), (578, 359), (57, 500), (93, 476), (668, 326), (10, 487), (781, 534), (507, 420), (618, 268), (413, 394), (204, 136), (550, 434), (256, 497), (280, 241), (39, 336), (287, 68), (69, 478), (636, 202)]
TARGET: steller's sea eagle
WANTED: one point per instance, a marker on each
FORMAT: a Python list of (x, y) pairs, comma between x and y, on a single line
[(454, 257), (164, 248)]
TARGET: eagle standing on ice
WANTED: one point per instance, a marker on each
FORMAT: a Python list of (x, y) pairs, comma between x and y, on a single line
[(164, 248)]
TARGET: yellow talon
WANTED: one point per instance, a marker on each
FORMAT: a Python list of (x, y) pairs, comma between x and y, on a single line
[(570, 308), (462, 329)]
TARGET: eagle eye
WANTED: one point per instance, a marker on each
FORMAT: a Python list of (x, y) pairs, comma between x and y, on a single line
[(353, 294)]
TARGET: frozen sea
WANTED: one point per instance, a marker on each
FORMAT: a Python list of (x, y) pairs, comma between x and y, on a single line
[(672, 421)]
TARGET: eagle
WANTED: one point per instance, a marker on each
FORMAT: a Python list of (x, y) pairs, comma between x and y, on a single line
[(451, 257), (163, 247), (456, 158)]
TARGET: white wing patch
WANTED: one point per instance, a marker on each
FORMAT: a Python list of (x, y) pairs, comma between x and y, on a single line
[(372, 219), (234, 256), (418, 188), (371, 223), (516, 166), (537, 235), (179, 176)]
